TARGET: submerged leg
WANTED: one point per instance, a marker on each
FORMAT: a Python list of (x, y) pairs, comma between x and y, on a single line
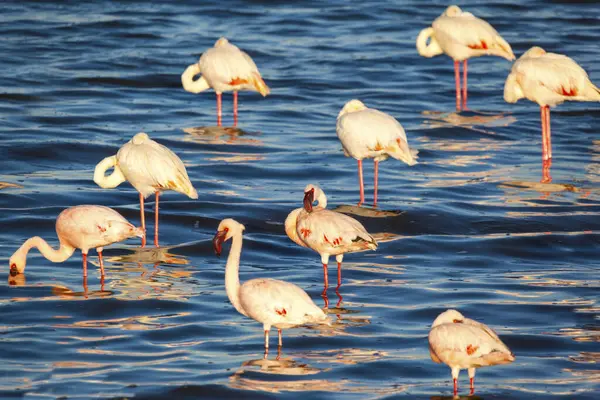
[(361, 183), (235, 108), (464, 91), (548, 132), (143, 219), (376, 166), (266, 340), (280, 341), (84, 256), (219, 112), (325, 278), (457, 79), (156, 221), (99, 250), (472, 380), (544, 134)]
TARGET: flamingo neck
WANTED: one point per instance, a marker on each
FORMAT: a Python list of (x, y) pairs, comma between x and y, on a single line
[(232, 273), (111, 181), (322, 200), (59, 255), (428, 50), (188, 82)]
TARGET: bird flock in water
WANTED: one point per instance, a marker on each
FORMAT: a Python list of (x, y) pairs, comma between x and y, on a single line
[(151, 168)]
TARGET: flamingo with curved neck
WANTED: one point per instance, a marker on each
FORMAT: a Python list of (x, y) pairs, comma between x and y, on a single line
[(269, 301), (79, 227)]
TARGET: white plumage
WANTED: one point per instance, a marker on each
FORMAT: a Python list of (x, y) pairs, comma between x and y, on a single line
[(548, 79), (461, 36), (150, 168), (461, 343), (369, 133), (272, 302), (327, 232), (224, 67)]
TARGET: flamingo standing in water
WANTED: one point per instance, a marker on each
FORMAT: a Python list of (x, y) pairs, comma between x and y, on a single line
[(150, 167), (269, 301), (548, 79), (461, 35), (369, 133), (461, 343), (79, 227), (224, 67), (327, 232)]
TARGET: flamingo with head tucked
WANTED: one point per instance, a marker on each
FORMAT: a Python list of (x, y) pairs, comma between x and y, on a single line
[(224, 67), (151, 168), (369, 133), (461, 343), (548, 79), (80, 227), (327, 232), (461, 35), (269, 301)]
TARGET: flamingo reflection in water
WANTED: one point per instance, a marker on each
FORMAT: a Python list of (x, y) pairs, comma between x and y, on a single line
[(270, 301), (327, 232), (461, 343), (224, 67), (80, 227)]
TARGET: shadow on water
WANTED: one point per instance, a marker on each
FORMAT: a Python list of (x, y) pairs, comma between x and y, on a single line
[(221, 135)]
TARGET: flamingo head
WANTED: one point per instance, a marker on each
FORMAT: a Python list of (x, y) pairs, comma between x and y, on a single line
[(448, 317), (534, 52), (226, 230), (311, 193), (17, 264), (140, 138), (352, 106), (453, 11), (221, 42)]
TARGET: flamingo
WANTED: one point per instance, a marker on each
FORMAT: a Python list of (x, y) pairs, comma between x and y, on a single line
[(79, 227), (224, 67), (461, 342), (461, 35), (326, 232), (150, 167), (369, 133), (270, 301), (548, 79)]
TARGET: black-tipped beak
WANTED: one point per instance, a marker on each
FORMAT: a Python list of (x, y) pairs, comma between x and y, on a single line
[(218, 241), (13, 270), (309, 197)]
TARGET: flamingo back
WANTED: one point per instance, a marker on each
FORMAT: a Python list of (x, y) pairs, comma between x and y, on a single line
[(280, 304), (151, 167), (467, 344), (90, 226), (290, 226), (370, 133), (330, 232)]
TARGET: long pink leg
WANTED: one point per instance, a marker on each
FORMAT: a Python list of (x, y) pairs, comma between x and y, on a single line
[(544, 134), (548, 132), (280, 341), (464, 92), (156, 221), (325, 276), (143, 219), (457, 79), (219, 112), (361, 184), (101, 263), (339, 275), (84, 264), (376, 166), (235, 108), (472, 381), (455, 387)]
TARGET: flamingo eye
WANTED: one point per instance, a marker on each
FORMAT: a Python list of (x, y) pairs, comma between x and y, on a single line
[(226, 229), (457, 321)]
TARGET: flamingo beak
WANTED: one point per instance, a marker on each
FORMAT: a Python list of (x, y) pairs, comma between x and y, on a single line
[(309, 197), (218, 241), (13, 270)]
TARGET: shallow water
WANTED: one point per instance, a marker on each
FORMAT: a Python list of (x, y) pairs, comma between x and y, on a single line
[(469, 227)]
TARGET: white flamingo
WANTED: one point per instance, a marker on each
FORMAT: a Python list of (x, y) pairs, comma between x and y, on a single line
[(151, 168), (369, 133), (548, 79), (461, 35), (461, 343), (80, 227), (269, 301), (224, 67), (327, 232)]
